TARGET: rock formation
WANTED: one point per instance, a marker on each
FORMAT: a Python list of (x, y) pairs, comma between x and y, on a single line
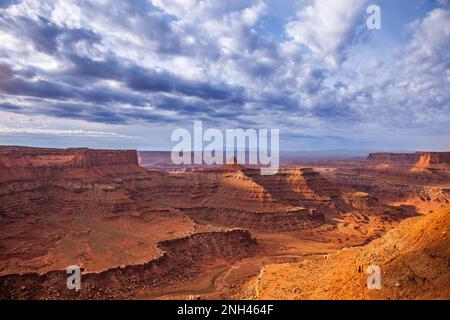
[(434, 160), (25, 157), (413, 259), (421, 160), (60, 207), (181, 260)]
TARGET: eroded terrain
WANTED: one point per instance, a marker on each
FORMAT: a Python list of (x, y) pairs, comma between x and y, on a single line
[(143, 232)]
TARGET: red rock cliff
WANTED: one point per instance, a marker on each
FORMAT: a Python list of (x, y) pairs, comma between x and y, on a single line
[(25, 157), (421, 159), (433, 160)]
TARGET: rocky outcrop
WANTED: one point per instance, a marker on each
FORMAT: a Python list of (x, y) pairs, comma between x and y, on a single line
[(362, 201), (413, 259), (181, 260), (232, 196), (295, 219)]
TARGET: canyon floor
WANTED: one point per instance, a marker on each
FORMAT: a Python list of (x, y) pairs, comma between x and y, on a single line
[(142, 229)]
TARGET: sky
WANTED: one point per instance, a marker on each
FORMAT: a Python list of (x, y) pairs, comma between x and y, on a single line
[(125, 74)]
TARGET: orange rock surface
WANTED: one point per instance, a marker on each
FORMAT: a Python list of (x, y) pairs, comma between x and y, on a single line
[(413, 258)]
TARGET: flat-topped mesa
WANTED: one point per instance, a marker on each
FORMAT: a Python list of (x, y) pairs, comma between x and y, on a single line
[(394, 157), (27, 157), (420, 159)]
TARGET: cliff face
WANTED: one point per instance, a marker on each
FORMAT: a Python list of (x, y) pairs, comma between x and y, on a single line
[(433, 160), (419, 159), (293, 199), (302, 187), (181, 260)]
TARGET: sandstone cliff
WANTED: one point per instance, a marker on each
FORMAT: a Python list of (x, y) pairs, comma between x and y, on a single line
[(433, 160), (181, 260), (419, 159), (27, 157), (413, 259)]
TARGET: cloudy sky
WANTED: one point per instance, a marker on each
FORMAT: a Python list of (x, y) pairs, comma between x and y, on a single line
[(117, 74)]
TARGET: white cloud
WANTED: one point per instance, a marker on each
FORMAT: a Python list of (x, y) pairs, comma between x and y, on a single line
[(432, 34), (67, 133), (326, 27), (67, 13), (252, 14), (310, 76)]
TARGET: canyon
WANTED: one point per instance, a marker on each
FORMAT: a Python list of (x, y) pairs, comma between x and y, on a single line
[(143, 228)]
